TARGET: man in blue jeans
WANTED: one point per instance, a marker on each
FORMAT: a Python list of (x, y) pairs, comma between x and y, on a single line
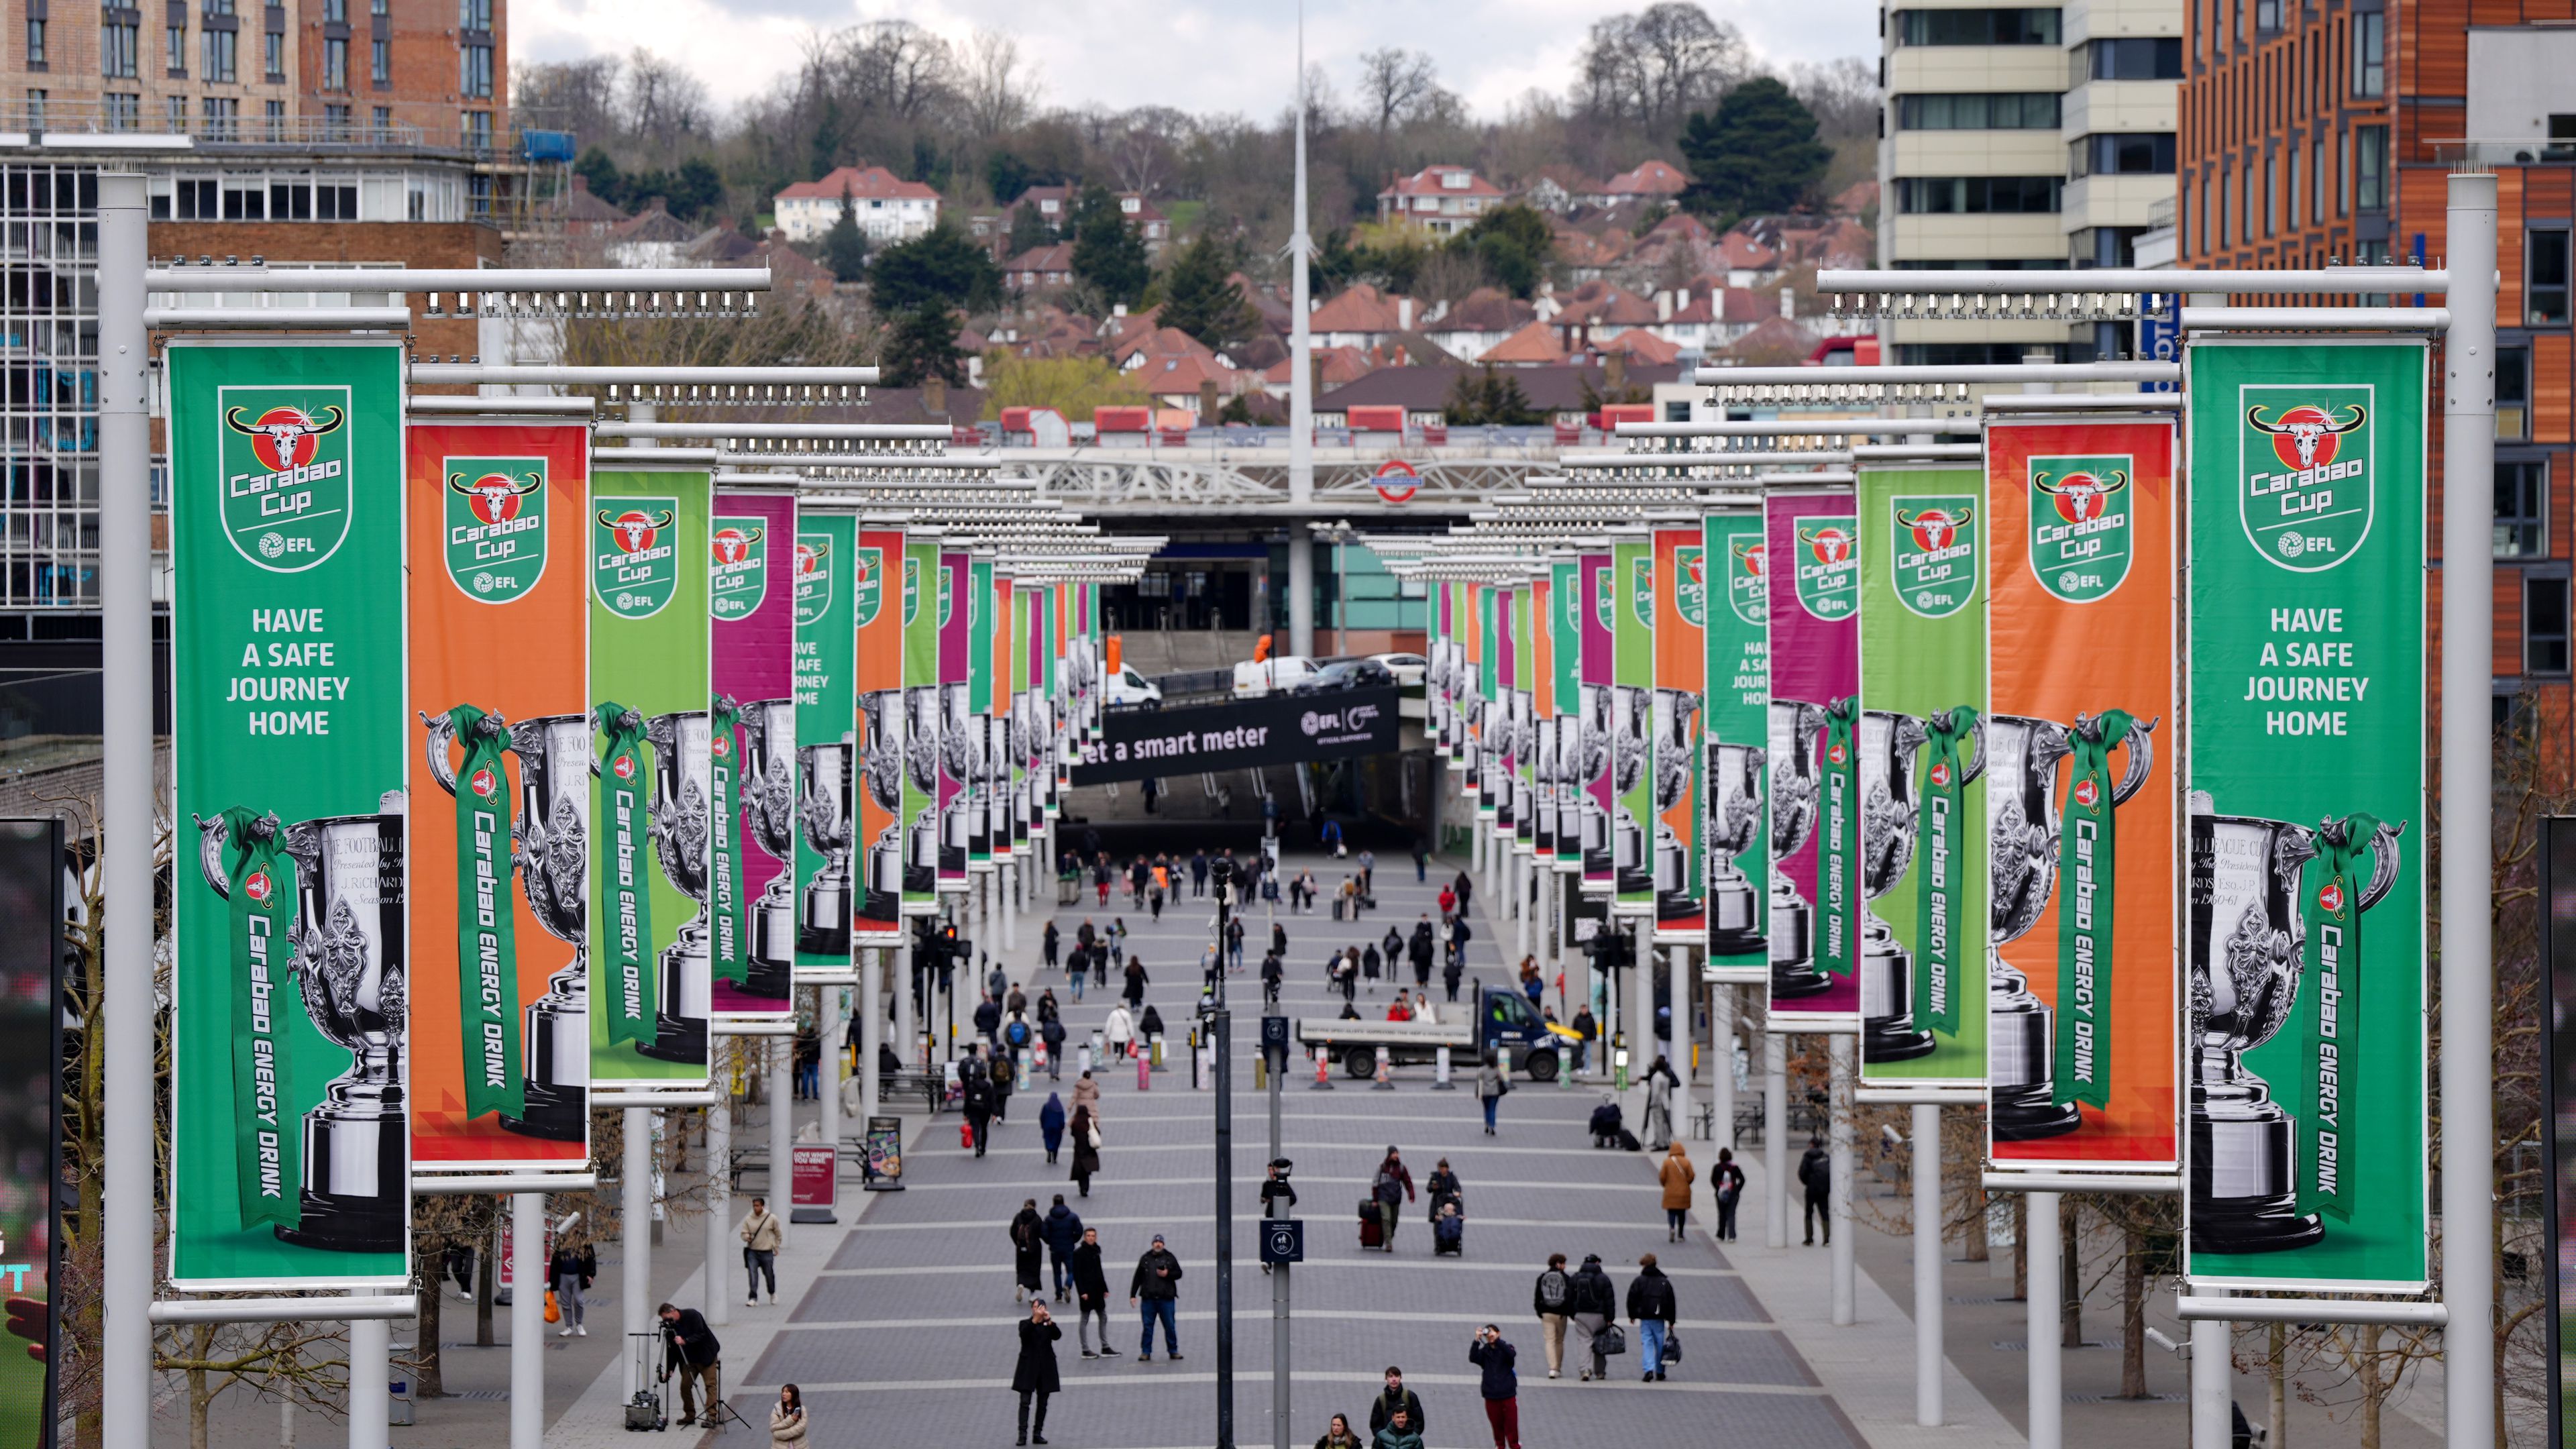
[(1155, 1288), (1651, 1308)]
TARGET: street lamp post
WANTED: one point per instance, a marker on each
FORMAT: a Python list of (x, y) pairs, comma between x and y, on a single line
[(1221, 1024)]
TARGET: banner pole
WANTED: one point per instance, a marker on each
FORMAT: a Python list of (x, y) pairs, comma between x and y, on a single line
[(1721, 1071), (1678, 994), (528, 1287), (2041, 1334), (1845, 1066), (2468, 809), (635, 1233), (1926, 1155), (871, 1014), (2213, 1379), (371, 1354), (126, 675), (719, 1187), (1775, 1136)]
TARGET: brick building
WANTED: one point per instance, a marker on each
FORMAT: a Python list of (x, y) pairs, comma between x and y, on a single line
[(2318, 131)]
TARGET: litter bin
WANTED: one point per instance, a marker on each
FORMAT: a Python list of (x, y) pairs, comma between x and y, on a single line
[(1068, 890)]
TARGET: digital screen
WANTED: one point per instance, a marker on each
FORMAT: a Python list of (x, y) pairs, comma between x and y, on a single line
[(30, 1073), (2558, 959)]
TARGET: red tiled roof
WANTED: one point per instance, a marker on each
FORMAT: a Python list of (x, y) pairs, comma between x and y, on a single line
[(1654, 178), (1533, 343), (1158, 344), (1042, 260), (1357, 308), (1641, 346), (1739, 250), (871, 183), (1486, 309), (1427, 182), (1745, 307)]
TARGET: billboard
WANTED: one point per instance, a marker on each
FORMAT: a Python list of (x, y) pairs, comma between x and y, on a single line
[(1681, 689), (751, 753), (1632, 711), (920, 594), (827, 544), (1565, 605), (877, 621), (1600, 795), (1812, 547), (32, 886), (959, 731), (1736, 870)]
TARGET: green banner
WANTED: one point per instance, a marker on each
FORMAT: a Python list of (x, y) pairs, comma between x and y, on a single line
[(921, 727), (651, 629), (1737, 725), (1632, 722), (2306, 816), (486, 933), (1921, 777), (1488, 772), (289, 1142)]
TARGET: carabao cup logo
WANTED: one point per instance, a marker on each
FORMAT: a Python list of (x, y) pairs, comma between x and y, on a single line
[(635, 568), (2080, 534), (911, 591), (867, 591), (1690, 585), (495, 512), (1932, 552), (813, 577), (738, 567), (1748, 578), (285, 457), (1828, 566), (1604, 606), (947, 594), (2308, 492), (1641, 589)]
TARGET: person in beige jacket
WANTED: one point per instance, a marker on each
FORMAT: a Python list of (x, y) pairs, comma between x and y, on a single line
[(787, 1421), (1677, 1175), (1086, 1093), (761, 1236)]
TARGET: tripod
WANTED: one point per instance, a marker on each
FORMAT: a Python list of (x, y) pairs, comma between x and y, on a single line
[(717, 1413)]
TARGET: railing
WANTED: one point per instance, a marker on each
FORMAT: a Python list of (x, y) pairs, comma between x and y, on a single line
[(301, 133), (2525, 151), (2162, 211)]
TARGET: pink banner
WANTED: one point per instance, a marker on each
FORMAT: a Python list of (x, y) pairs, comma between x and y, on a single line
[(1812, 548)]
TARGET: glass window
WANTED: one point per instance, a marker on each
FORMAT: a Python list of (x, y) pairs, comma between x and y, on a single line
[(335, 63), (2267, 16), (221, 112), (2026, 25), (2370, 167), (474, 72), (2522, 509), (222, 53), (123, 112), (2544, 623), (174, 48), (478, 130), (380, 63), (2544, 286), (120, 48), (1963, 195), (2291, 191), (2513, 394), (2005, 111), (35, 45), (274, 54), (335, 121), (2369, 60), (2138, 58), (2141, 154), (383, 121), (477, 15), (335, 12)]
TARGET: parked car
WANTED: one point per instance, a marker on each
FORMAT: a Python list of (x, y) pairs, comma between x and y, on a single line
[(1128, 687), (1346, 674), (1407, 668), (1254, 678)]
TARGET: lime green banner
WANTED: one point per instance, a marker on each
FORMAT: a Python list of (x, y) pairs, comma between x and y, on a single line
[(827, 713)]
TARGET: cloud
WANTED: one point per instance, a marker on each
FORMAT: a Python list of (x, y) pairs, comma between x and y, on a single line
[(1206, 56)]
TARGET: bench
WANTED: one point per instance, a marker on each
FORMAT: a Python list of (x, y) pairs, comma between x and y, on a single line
[(930, 1086)]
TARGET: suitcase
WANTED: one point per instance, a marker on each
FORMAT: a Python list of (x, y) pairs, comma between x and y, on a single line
[(1628, 1141), (1372, 1224)]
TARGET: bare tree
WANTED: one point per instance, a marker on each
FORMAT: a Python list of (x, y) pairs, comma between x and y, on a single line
[(1658, 65), (579, 96), (997, 86), (1842, 95), (1394, 85), (663, 103)]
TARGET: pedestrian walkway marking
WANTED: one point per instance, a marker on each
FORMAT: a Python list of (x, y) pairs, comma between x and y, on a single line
[(1375, 1262), (1054, 1184), (1338, 1315), (1166, 1220), (1303, 1376), (1122, 1149)]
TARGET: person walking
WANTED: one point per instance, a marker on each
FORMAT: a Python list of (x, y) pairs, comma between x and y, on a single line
[(1077, 968), (1448, 902), (808, 1058), (1063, 1233), (1004, 1070), (1136, 983), (1650, 1306), (571, 1270), (1154, 895), (1491, 1084), (1234, 943), (1726, 1180), (1501, 1387), (1420, 949), (1586, 1029), (1086, 1145), (1086, 1093), (1156, 1289), (988, 1020), (1028, 1245), (1198, 872), (1051, 1126), (1271, 971), (1816, 1174), (787, 1419), (1660, 1082), (1047, 945), (1120, 1030), (1396, 1399), (1091, 1295), (1442, 1188), (1595, 1305), (1100, 879), (761, 1236), (1391, 1186), (1051, 1034), (1399, 1433), (1677, 1174), (1368, 875), (1465, 886), (1117, 940), (691, 1349), (1034, 1377), (1369, 962), (1457, 964), (1338, 1435), (1552, 1299), (1421, 861), (979, 1102)]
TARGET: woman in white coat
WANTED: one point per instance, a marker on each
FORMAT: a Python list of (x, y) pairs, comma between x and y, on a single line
[(1121, 1031)]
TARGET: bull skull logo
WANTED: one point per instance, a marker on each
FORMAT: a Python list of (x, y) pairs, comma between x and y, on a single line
[(281, 434), (635, 531), (1935, 528), (2081, 497), (2306, 437), (494, 497)]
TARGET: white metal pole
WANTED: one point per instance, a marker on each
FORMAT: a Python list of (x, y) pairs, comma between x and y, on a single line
[(782, 1131), (870, 1007), (371, 1406), (1926, 1156), (1844, 1059), (1721, 1069), (1679, 996), (2468, 771), (2213, 1379), (528, 1320), (1301, 391), (2040, 1286), (1775, 1136), (635, 1229), (126, 678), (1006, 885), (1520, 905), (720, 1194), (1640, 989)]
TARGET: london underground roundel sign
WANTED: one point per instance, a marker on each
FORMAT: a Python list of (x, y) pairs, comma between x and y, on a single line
[(1396, 481)]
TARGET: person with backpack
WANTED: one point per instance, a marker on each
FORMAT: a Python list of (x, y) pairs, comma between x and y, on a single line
[(1421, 949), (1491, 1084), (1595, 1310), (979, 1103), (1271, 971), (1552, 1299), (1727, 1181), (1051, 1031), (1063, 1229), (1650, 1306), (1396, 1399), (1816, 1174), (1028, 1249), (1391, 1186)]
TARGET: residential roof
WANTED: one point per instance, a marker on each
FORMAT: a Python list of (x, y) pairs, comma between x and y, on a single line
[(1159, 344), (1061, 193), (1558, 388), (1773, 338), (578, 203), (653, 224), (1533, 344), (1057, 257), (904, 405), (1432, 181), (1641, 346), (1358, 307), (1737, 249), (1486, 309), (871, 183), (1651, 179)]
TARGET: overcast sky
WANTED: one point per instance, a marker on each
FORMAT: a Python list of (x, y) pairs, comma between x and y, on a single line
[(1198, 55)]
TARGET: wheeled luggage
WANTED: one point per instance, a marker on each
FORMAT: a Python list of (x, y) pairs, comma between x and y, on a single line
[(1372, 1224)]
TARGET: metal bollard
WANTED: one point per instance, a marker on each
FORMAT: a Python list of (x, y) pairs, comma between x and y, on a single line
[(1440, 1072), (1144, 1073), (1385, 1071)]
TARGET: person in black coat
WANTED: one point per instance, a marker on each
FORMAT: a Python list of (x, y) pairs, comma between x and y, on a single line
[(1499, 1385), (1422, 948), (1393, 1397), (1135, 983), (979, 1102), (570, 1271), (1651, 1307), (1034, 1376), (1816, 1173), (1028, 1250), (690, 1347), (1594, 1304), (1091, 1294)]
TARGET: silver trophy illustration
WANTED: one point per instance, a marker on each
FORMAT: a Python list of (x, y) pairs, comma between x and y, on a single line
[(826, 804), (1677, 736), (550, 839), (882, 765), (1795, 792), (768, 789), (2021, 758), (2248, 950), (959, 738), (1631, 751), (1891, 817), (350, 974), (1733, 819), (682, 831), (1592, 749), (921, 762)]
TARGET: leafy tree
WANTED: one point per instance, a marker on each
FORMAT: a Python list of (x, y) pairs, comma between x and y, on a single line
[(825, 152), (1493, 397), (599, 170), (1514, 242), (923, 345), (1757, 153), (1073, 386), (695, 189), (941, 265), (845, 247), (1201, 299), (930, 165), (1008, 175), (1108, 254), (1029, 231), (1334, 263)]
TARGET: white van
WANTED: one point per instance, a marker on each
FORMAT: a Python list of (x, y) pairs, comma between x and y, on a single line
[(1253, 679), (1126, 686)]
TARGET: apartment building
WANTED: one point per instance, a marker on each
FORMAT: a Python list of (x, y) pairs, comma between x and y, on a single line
[(2022, 137)]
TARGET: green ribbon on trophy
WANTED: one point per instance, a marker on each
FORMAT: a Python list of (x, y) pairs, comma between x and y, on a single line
[(261, 889), (2320, 1098), (1941, 844), (1838, 851), (487, 944), (724, 845), (2087, 866), (625, 941)]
